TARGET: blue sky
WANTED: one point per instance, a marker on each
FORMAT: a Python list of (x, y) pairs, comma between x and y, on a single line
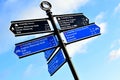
[(94, 59)]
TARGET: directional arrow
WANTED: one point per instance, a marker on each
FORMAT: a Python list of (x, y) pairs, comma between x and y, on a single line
[(56, 62), (82, 33), (27, 27), (68, 21), (36, 45)]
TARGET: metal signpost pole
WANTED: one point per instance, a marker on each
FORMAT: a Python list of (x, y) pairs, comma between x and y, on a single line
[(46, 6)]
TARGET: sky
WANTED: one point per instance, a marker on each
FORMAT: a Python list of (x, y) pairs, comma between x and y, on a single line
[(96, 58)]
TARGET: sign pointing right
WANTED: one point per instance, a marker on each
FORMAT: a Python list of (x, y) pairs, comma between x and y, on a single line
[(82, 33), (69, 21), (56, 62)]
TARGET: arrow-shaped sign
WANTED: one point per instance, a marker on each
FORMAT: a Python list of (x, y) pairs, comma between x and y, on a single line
[(27, 27), (82, 33), (56, 62), (36, 45), (68, 21)]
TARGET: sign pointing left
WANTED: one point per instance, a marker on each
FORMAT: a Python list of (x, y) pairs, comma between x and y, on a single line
[(36, 45), (27, 27)]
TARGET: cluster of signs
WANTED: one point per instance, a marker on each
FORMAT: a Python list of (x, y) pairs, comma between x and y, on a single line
[(75, 27)]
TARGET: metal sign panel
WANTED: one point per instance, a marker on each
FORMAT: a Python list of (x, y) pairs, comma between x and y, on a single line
[(36, 45), (82, 33), (69, 21), (56, 62), (26, 27), (49, 53)]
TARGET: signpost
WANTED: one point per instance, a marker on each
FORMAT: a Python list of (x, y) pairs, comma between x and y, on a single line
[(75, 27), (27, 27), (69, 21), (35, 46), (46, 6), (56, 62), (48, 53), (82, 33)]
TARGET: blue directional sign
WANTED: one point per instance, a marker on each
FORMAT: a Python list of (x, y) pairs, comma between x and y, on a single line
[(82, 33), (36, 45), (49, 53), (56, 62)]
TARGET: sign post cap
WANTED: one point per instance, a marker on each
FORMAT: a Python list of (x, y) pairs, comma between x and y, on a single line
[(45, 5)]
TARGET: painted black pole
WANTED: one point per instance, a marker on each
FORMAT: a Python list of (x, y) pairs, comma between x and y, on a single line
[(46, 6)]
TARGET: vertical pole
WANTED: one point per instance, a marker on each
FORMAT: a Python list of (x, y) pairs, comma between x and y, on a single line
[(46, 6), (62, 45)]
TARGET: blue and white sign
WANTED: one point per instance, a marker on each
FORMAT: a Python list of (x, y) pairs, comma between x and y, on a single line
[(49, 53), (35, 45), (56, 62), (82, 33)]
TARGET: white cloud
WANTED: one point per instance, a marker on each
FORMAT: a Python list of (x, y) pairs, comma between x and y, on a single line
[(58, 7), (117, 9), (102, 26), (99, 21), (99, 17), (78, 47), (114, 54), (32, 13), (65, 6)]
